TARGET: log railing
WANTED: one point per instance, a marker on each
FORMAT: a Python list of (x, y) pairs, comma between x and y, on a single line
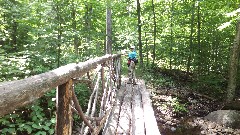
[(15, 94)]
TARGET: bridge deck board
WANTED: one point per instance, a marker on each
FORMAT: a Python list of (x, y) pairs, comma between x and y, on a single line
[(133, 112)]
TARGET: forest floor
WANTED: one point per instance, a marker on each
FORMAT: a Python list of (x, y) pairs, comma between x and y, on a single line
[(180, 111)]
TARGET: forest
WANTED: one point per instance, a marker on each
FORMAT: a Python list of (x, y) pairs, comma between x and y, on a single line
[(192, 44)]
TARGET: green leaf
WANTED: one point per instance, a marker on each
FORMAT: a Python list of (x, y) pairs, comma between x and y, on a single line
[(48, 124), (51, 131), (34, 118), (11, 130), (46, 128), (53, 120), (28, 128), (41, 133), (36, 126)]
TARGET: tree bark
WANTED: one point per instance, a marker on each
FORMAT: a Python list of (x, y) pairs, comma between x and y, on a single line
[(147, 48), (171, 43), (233, 65), (14, 36), (139, 33), (154, 33), (74, 27), (88, 15), (64, 113), (108, 28), (191, 40), (199, 60), (59, 35), (16, 94)]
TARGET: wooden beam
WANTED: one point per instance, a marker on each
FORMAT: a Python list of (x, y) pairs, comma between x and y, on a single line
[(125, 123), (64, 113), (15, 94), (137, 110), (151, 127), (112, 122)]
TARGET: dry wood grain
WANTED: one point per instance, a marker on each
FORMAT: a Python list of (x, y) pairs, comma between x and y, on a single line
[(125, 118), (149, 117), (137, 110), (111, 125), (15, 94)]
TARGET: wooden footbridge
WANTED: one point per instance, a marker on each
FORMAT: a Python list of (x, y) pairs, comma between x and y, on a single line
[(114, 107)]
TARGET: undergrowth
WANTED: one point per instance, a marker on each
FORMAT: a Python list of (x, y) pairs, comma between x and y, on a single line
[(39, 117)]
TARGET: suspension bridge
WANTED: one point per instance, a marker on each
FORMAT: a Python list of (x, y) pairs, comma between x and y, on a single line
[(114, 107)]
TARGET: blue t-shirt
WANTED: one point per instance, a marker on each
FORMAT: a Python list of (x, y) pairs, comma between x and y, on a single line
[(132, 54)]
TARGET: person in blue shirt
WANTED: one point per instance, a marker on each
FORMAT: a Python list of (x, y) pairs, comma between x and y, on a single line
[(132, 55), (132, 60)]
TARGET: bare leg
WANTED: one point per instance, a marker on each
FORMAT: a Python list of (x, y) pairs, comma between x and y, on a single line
[(133, 75), (129, 74)]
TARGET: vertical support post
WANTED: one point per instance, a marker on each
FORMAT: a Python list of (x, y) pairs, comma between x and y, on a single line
[(110, 78), (102, 109), (88, 75), (64, 113), (102, 76), (119, 71)]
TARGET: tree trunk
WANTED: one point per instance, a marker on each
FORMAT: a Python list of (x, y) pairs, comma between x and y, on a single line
[(171, 43), (147, 48), (88, 15), (74, 26), (14, 36), (198, 40), (59, 36), (108, 28), (139, 33), (154, 33), (233, 65), (191, 40)]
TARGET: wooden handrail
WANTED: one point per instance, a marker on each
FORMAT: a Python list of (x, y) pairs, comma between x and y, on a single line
[(15, 94)]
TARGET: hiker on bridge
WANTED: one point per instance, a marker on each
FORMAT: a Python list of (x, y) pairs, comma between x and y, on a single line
[(132, 60)]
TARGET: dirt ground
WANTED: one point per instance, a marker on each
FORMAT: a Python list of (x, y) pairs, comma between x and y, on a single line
[(181, 112)]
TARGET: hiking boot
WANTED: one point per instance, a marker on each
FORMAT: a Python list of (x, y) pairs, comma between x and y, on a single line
[(134, 82), (129, 82)]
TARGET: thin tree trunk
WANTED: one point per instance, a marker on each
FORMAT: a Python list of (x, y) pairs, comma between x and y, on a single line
[(198, 40), (14, 36), (154, 33), (171, 43), (139, 33), (108, 28), (233, 66), (88, 15), (74, 26), (59, 36), (191, 40), (147, 48)]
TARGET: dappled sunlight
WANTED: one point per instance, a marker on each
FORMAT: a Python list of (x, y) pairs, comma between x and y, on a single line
[(224, 25)]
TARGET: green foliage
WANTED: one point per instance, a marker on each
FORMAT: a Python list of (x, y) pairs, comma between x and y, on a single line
[(156, 78), (82, 92), (38, 118), (177, 106), (37, 36), (211, 84)]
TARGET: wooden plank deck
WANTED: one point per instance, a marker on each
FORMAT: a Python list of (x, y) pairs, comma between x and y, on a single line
[(132, 113)]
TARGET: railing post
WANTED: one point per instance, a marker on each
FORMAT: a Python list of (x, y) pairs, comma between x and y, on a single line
[(64, 113), (119, 71)]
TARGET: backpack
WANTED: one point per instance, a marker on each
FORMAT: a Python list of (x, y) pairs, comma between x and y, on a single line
[(135, 61), (129, 61)]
